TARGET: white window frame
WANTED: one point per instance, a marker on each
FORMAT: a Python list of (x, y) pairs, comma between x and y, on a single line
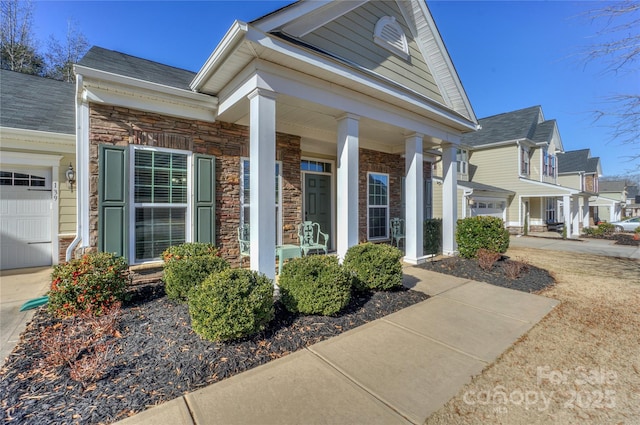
[(134, 205), (386, 207), (246, 203)]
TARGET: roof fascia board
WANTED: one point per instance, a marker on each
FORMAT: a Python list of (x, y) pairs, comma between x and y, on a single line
[(223, 50), (342, 70), (113, 89), (550, 186), (497, 144), (136, 83), (319, 17), (289, 14), (20, 138), (121, 96), (454, 73)]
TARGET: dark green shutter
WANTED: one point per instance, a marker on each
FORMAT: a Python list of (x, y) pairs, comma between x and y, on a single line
[(113, 222), (205, 199)]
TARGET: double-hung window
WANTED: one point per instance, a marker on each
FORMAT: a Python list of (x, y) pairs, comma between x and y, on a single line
[(245, 196), (377, 206), (160, 201), (524, 161), (462, 160), (550, 215)]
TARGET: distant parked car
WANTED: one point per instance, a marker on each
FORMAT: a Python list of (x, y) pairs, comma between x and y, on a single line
[(628, 225)]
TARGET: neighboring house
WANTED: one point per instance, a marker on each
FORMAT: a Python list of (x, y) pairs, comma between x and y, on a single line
[(632, 207), (37, 146), (611, 199), (319, 111), (509, 169), (578, 170)]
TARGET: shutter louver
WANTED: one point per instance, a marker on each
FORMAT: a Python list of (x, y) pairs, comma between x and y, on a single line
[(205, 198)]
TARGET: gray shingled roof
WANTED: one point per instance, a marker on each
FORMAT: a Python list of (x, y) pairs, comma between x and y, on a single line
[(142, 69), (611, 185), (484, 187), (36, 103), (544, 131), (514, 125), (576, 161), (521, 124)]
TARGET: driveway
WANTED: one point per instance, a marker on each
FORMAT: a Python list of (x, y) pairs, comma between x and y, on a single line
[(582, 246), (16, 287)]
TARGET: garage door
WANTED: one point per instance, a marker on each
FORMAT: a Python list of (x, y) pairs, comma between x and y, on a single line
[(25, 218), (486, 208)]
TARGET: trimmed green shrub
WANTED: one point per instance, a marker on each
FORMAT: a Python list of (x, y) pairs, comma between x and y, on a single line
[(188, 264), (432, 236), (375, 266), (315, 284), (603, 229), (90, 285), (606, 229), (231, 304), (485, 232)]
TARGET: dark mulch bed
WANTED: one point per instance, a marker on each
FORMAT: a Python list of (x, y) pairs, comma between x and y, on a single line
[(531, 279), (620, 238), (160, 358)]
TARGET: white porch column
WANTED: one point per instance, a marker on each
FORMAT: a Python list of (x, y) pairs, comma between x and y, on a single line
[(347, 180), (585, 212), (414, 193), (566, 212), (449, 199), (262, 157), (575, 216)]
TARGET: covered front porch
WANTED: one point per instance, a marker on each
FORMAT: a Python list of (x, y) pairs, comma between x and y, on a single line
[(363, 154)]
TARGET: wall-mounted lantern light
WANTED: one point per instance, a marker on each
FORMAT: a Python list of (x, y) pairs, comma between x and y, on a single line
[(70, 174)]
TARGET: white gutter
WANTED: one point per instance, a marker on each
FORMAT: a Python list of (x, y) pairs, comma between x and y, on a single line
[(79, 179)]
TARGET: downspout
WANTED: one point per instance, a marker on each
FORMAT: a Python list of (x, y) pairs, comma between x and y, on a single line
[(79, 182)]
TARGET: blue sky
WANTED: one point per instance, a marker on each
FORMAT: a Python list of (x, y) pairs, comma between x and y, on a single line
[(508, 54)]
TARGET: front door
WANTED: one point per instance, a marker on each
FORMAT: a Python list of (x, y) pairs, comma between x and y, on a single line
[(317, 201)]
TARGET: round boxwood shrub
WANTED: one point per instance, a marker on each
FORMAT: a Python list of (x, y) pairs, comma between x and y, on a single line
[(231, 304), (485, 232), (188, 264), (375, 266), (315, 284), (91, 284)]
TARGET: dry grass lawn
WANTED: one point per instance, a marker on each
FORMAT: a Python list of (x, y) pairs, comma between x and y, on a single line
[(579, 365)]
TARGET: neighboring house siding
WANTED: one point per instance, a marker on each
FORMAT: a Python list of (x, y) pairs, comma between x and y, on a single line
[(227, 142), (351, 37), (495, 167), (570, 180)]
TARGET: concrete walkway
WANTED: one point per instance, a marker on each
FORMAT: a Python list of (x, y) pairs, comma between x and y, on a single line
[(16, 287), (583, 246), (398, 369)]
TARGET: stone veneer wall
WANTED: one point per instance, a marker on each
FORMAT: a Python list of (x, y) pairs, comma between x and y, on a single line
[(63, 244), (227, 142), (381, 162)]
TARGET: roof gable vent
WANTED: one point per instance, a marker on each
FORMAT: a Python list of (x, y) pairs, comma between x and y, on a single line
[(389, 34)]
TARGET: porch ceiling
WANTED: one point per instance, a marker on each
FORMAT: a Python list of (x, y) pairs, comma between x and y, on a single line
[(314, 121)]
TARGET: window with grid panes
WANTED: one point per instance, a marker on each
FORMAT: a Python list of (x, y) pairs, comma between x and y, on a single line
[(377, 206), (160, 201)]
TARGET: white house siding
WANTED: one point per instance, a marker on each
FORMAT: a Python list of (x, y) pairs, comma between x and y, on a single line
[(351, 37)]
